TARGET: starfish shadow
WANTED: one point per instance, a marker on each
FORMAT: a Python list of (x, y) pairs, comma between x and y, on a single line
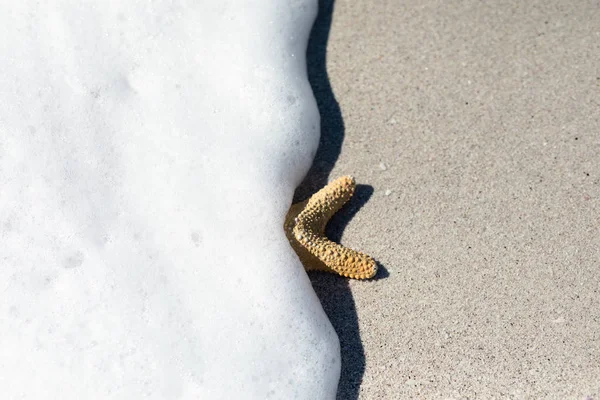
[(339, 221)]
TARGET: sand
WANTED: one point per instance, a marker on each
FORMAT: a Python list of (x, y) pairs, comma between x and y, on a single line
[(473, 130)]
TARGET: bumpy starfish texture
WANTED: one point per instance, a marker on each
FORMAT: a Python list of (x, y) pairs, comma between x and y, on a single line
[(305, 229)]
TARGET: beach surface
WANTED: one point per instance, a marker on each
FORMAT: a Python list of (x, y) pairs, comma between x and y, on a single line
[(473, 131)]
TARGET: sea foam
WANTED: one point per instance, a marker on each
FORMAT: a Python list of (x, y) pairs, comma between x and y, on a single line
[(149, 152)]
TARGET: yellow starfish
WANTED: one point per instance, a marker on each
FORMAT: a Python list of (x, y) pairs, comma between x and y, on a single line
[(305, 229)]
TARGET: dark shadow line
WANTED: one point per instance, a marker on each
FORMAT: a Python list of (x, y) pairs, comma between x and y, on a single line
[(332, 124), (333, 291)]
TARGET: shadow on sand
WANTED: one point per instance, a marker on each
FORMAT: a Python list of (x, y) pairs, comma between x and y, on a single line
[(333, 291)]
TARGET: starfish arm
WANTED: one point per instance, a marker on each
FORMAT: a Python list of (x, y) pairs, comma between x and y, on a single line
[(309, 261), (309, 227)]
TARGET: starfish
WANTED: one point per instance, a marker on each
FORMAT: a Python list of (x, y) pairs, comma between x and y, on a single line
[(305, 229)]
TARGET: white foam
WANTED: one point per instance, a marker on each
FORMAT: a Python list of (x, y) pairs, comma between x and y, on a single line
[(148, 154)]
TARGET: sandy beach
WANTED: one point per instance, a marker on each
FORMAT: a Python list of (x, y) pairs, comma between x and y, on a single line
[(473, 131)]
